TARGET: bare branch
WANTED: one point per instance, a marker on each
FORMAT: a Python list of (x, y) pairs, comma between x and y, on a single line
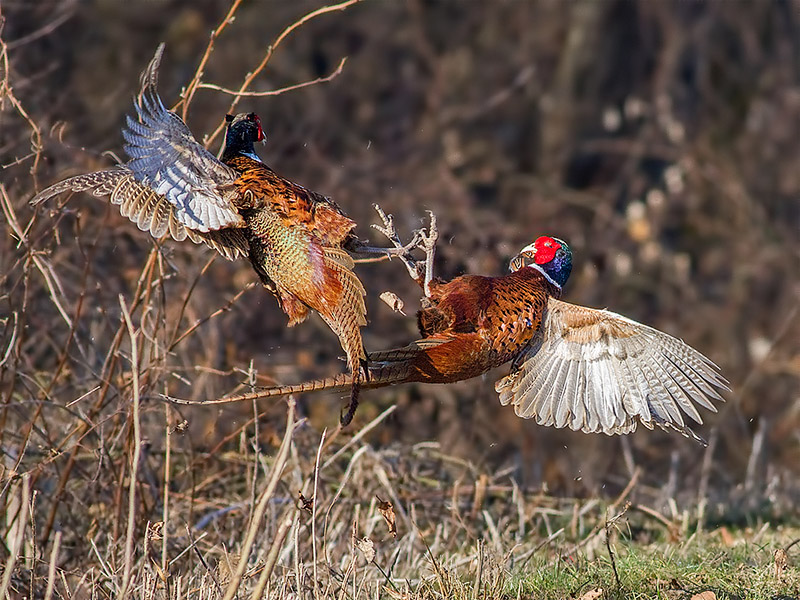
[(255, 525), (188, 94), (297, 86), (270, 50)]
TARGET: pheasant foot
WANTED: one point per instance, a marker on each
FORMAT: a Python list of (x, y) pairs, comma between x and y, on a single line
[(422, 239)]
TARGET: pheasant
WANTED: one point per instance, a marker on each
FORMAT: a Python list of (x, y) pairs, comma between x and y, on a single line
[(571, 366), (296, 239)]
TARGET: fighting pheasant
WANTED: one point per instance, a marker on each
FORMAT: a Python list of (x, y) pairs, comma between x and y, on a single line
[(587, 369), (296, 239)]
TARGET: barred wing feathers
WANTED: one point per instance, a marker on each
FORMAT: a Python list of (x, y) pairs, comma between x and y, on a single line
[(597, 371), (150, 211), (166, 157)]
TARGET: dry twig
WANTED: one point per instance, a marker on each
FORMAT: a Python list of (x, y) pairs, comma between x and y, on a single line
[(239, 94), (263, 501), (137, 450)]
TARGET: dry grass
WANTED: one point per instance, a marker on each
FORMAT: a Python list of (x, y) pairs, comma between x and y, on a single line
[(690, 203), (459, 534)]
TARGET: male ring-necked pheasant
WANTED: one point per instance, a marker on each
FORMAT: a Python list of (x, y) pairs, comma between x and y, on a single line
[(571, 366), (296, 239)]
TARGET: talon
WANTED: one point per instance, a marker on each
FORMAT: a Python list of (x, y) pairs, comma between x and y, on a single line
[(402, 251)]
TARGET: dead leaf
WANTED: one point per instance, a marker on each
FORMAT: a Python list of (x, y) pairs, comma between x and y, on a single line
[(592, 594), (393, 301), (707, 595), (781, 561), (155, 531), (672, 584), (159, 573), (366, 546), (387, 510), (180, 427), (305, 503), (480, 493), (726, 537)]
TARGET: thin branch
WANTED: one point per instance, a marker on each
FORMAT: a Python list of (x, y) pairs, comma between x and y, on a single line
[(17, 530), (314, 505), (167, 481), (611, 552), (198, 74), (137, 449), (202, 560), (66, 14), (364, 431), (207, 318), (297, 86), (51, 569), (254, 529), (5, 90), (253, 74), (274, 551), (186, 299)]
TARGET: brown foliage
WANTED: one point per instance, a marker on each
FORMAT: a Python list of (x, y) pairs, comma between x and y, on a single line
[(659, 140)]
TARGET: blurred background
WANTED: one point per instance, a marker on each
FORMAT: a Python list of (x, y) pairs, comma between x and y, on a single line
[(659, 139)]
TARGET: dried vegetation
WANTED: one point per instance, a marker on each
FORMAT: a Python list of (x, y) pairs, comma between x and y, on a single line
[(659, 139)]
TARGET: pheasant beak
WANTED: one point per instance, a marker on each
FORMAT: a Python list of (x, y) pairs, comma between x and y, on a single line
[(525, 257)]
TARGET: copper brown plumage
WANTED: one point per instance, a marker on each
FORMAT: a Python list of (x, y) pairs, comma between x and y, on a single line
[(571, 366), (296, 239)]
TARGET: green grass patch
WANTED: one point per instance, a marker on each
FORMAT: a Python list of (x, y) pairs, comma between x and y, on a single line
[(662, 570)]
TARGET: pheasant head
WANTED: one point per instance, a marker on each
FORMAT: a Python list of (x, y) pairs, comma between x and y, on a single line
[(548, 255), (243, 131)]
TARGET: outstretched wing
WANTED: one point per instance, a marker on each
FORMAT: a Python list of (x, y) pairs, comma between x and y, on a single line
[(597, 371), (150, 211), (166, 157)]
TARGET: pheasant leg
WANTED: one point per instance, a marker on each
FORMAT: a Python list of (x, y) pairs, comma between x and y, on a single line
[(362, 248), (428, 244)]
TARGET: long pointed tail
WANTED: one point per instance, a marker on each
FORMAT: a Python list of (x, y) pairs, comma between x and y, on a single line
[(346, 319), (380, 375)]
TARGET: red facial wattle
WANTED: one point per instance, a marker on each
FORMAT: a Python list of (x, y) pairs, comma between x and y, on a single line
[(254, 118), (546, 248)]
